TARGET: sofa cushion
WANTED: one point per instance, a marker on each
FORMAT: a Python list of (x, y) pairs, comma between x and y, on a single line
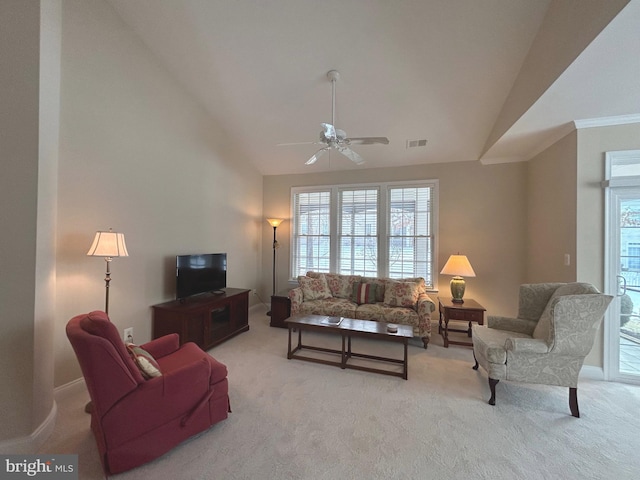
[(401, 294), (490, 343), (543, 327), (422, 286), (382, 313), (340, 285), (314, 288), (380, 284), (333, 307), (364, 293)]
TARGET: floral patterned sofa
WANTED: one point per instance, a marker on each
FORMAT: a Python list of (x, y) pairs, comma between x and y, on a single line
[(400, 301)]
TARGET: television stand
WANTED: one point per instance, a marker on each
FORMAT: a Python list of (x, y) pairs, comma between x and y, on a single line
[(207, 320)]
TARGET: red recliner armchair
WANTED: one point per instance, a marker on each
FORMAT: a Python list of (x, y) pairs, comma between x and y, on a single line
[(136, 420)]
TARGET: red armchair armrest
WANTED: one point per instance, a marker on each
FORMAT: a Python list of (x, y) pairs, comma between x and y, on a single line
[(163, 346), (172, 395)]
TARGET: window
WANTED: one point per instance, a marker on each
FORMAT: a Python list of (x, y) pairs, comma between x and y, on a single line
[(311, 239), (410, 238), (385, 230), (358, 232), (633, 256)]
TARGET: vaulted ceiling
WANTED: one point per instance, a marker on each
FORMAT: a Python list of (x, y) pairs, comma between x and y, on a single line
[(487, 80)]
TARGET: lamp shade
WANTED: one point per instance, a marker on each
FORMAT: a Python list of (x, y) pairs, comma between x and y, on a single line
[(275, 222), (108, 244), (459, 266)]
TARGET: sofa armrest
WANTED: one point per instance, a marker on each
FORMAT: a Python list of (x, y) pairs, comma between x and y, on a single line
[(510, 324), (425, 305), (296, 297), (163, 346), (526, 345)]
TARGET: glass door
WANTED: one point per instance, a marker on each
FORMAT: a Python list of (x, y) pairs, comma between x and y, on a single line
[(622, 233)]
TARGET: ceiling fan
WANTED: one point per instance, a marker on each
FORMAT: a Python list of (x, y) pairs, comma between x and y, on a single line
[(332, 137)]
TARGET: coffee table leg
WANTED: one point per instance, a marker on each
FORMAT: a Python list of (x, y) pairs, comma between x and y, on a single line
[(343, 360), (406, 360), (289, 346)]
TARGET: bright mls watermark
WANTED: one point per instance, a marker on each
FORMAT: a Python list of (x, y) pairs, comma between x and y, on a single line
[(52, 467)]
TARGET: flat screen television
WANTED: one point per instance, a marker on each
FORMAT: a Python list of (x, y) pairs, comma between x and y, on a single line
[(196, 274)]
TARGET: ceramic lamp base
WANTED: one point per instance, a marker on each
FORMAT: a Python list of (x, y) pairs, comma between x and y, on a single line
[(457, 289)]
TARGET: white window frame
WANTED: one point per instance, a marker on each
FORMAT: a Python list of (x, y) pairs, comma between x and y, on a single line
[(382, 224)]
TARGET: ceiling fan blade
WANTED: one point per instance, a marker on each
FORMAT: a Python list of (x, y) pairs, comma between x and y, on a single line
[(295, 143), (351, 155), (316, 156), (367, 140)]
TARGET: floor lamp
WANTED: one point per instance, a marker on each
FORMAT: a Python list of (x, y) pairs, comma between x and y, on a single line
[(108, 245), (274, 222)]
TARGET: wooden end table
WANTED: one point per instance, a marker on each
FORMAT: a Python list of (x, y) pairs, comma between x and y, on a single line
[(469, 311), (280, 310)]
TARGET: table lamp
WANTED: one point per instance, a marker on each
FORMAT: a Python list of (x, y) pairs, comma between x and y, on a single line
[(458, 266)]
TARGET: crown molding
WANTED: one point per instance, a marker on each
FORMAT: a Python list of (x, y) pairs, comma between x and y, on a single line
[(607, 121)]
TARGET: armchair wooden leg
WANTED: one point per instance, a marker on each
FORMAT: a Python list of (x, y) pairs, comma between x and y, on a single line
[(425, 342), (475, 367), (492, 386), (573, 402)]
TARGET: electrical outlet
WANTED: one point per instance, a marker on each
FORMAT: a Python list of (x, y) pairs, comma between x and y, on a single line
[(128, 335), (254, 291)]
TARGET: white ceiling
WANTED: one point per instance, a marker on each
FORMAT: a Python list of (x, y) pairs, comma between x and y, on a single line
[(415, 69)]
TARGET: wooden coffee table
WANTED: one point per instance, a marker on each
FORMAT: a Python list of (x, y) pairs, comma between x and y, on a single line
[(348, 328)]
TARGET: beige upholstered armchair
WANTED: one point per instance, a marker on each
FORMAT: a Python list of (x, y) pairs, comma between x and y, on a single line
[(549, 340)]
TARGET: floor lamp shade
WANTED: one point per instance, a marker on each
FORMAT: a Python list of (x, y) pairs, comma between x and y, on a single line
[(108, 245), (458, 266), (274, 222)]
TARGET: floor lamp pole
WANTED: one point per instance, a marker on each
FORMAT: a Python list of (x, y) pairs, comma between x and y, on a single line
[(107, 279), (275, 246)]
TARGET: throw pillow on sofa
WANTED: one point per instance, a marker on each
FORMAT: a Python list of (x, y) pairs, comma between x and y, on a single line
[(314, 288), (364, 293), (145, 362), (340, 285), (402, 294)]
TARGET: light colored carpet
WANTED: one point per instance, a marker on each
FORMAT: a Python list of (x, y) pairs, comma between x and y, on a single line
[(299, 420)]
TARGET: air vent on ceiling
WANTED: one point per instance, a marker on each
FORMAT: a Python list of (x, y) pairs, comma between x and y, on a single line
[(416, 143)]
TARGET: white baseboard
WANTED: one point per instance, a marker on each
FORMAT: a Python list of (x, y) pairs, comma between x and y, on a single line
[(257, 306), (63, 392), (30, 444)]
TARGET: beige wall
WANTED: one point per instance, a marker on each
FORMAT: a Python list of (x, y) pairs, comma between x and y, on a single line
[(551, 206), (593, 143), (49, 134), (566, 210), (141, 156), (482, 213), (19, 138)]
